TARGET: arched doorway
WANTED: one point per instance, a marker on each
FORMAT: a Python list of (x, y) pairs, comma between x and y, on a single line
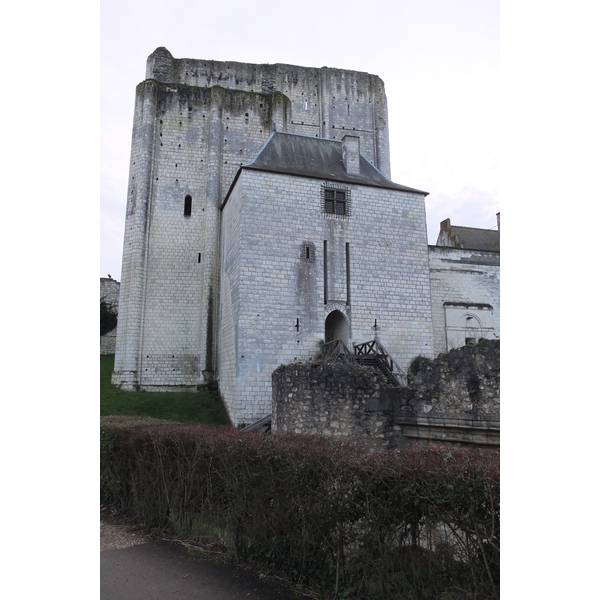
[(336, 327)]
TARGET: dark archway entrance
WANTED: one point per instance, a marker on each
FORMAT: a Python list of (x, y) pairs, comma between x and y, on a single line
[(336, 327)]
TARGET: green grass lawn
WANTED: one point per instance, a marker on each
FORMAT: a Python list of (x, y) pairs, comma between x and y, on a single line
[(183, 407)]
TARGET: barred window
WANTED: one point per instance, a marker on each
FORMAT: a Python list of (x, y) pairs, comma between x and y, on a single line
[(307, 252), (336, 201)]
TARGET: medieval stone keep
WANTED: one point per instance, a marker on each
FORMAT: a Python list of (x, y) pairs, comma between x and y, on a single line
[(262, 223)]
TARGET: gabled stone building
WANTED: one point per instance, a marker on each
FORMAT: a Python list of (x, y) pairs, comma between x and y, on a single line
[(262, 222), (314, 241), (465, 285)]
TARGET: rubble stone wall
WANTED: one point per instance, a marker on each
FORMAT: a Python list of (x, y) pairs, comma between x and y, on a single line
[(109, 291), (454, 399), (330, 398)]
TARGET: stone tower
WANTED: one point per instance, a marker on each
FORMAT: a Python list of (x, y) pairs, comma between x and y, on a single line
[(195, 123)]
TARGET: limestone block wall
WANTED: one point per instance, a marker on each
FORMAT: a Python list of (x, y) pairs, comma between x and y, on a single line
[(195, 123), (229, 304), (133, 272), (465, 295), (198, 138), (272, 297), (325, 102)]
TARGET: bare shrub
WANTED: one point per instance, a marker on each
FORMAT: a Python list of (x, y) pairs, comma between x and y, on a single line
[(342, 521)]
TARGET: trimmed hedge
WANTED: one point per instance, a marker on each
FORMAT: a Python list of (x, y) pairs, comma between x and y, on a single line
[(325, 514)]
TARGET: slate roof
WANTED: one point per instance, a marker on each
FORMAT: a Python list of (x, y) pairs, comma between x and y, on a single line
[(305, 156), (470, 238)]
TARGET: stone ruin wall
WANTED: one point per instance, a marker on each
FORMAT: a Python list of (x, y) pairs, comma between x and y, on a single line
[(330, 398), (455, 397), (109, 291), (452, 399)]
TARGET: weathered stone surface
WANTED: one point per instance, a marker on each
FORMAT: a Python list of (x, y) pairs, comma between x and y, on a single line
[(109, 292), (195, 122), (463, 384), (454, 398), (231, 263), (331, 398)]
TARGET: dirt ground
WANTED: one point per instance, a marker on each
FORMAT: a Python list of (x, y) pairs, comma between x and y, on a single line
[(114, 536)]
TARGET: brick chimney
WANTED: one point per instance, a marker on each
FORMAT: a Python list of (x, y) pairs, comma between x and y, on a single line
[(351, 154)]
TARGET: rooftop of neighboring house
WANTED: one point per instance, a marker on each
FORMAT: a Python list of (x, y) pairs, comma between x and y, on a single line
[(470, 238)]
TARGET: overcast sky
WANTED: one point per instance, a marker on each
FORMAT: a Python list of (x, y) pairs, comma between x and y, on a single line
[(439, 61)]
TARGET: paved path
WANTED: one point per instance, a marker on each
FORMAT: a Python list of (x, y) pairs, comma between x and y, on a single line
[(163, 570)]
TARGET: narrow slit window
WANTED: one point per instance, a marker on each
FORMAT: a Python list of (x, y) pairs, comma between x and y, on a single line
[(187, 206), (325, 271), (347, 274)]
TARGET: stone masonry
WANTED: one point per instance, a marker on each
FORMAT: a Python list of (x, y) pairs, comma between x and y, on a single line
[(234, 257), (272, 297), (465, 296), (330, 398), (452, 399), (455, 397), (195, 123), (109, 292)]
